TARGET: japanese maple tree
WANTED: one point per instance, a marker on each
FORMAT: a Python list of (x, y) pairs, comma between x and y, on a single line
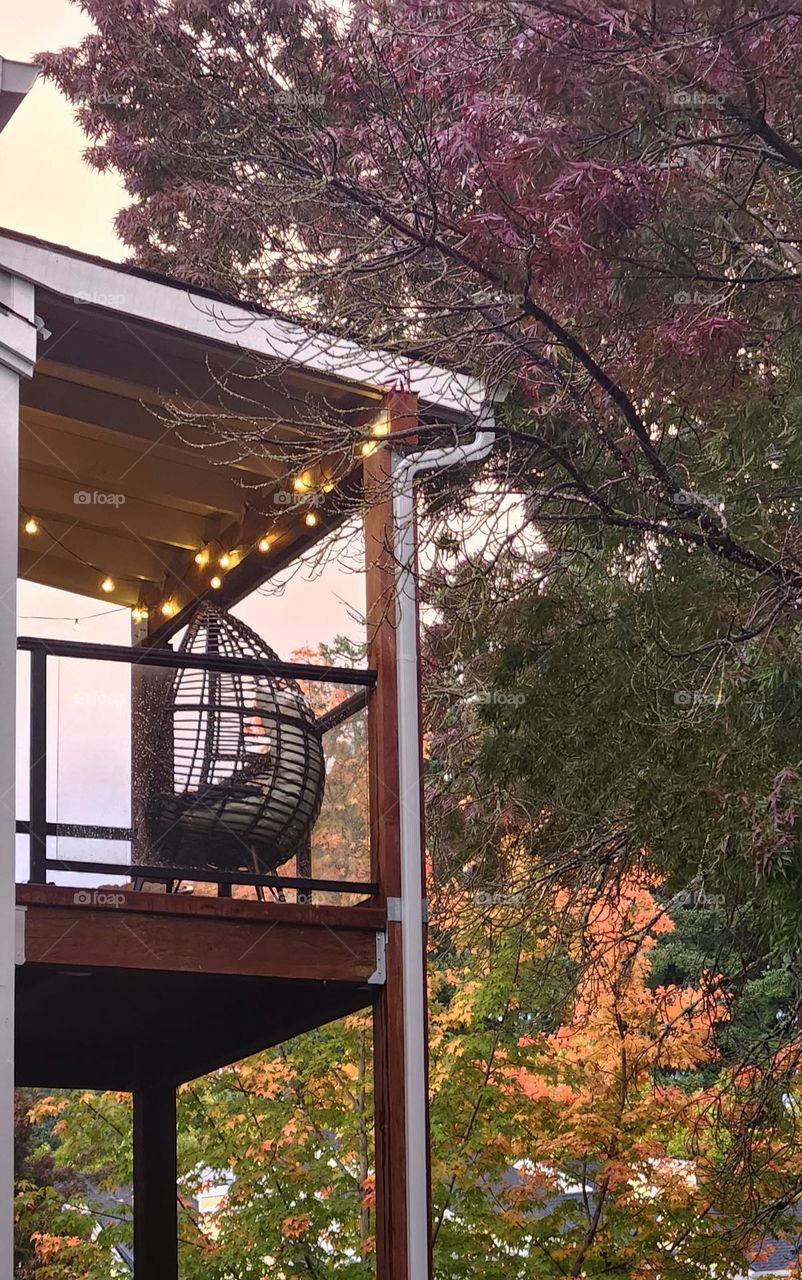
[(596, 205)]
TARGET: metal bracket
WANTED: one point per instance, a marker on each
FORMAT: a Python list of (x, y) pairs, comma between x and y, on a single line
[(379, 975), (19, 935), (395, 910)]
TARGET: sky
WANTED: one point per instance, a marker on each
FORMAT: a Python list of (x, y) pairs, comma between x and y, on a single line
[(52, 193), (49, 191)]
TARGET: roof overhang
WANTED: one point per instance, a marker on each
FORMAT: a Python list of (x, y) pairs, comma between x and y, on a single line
[(16, 80), (171, 304), (119, 495)]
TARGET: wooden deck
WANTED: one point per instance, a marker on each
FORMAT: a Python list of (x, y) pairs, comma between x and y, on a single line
[(117, 984)]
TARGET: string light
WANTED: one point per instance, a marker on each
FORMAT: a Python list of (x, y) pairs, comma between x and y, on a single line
[(303, 483), (216, 582), (168, 608), (202, 558), (310, 519), (76, 626), (33, 526), (225, 560), (139, 614), (264, 544), (380, 428), (368, 448)]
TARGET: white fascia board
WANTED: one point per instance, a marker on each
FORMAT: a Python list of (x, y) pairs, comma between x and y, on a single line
[(17, 77), (237, 326), (17, 325)]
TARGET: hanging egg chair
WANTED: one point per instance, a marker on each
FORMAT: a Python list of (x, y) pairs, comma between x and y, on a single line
[(238, 767)]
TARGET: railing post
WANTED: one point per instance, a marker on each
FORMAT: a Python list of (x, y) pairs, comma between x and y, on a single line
[(38, 768)]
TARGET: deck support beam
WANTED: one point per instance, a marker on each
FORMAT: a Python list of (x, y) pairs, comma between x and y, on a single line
[(155, 1182), (401, 1174)]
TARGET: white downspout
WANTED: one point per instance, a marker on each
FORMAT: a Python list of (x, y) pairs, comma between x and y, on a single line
[(405, 470)]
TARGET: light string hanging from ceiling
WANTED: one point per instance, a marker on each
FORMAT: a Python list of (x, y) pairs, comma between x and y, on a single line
[(303, 484)]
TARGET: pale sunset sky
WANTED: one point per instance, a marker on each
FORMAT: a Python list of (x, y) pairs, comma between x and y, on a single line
[(49, 191), (52, 193)]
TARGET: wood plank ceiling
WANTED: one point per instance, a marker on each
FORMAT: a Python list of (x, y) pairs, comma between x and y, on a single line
[(115, 506)]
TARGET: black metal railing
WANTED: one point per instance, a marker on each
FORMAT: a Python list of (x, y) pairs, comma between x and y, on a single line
[(38, 828)]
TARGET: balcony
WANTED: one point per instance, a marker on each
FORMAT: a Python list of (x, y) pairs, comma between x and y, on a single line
[(64, 761), (110, 925)]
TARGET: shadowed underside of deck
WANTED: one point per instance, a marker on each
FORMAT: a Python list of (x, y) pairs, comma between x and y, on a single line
[(112, 995)]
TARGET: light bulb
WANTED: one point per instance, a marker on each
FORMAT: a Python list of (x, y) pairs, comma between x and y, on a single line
[(367, 449), (168, 608), (107, 585), (216, 583), (201, 558), (31, 525), (264, 544), (310, 519), (76, 626), (225, 560), (302, 483), (380, 428), (136, 615)]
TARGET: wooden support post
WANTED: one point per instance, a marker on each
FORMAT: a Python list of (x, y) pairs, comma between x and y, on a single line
[(155, 1182), (392, 1252), (151, 767)]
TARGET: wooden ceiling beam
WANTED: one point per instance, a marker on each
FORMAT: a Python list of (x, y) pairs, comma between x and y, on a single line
[(60, 446), (160, 358), (114, 554), (75, 577), (138, 410), (47, 495)]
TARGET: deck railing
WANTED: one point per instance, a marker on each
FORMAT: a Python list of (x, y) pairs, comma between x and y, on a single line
[(38, 827)]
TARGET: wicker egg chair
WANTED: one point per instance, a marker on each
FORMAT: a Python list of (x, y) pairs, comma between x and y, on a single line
[(239, 770)]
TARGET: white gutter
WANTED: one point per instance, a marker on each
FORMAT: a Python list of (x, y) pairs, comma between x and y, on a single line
[(16, 80), (405, 470), (234, 324)]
